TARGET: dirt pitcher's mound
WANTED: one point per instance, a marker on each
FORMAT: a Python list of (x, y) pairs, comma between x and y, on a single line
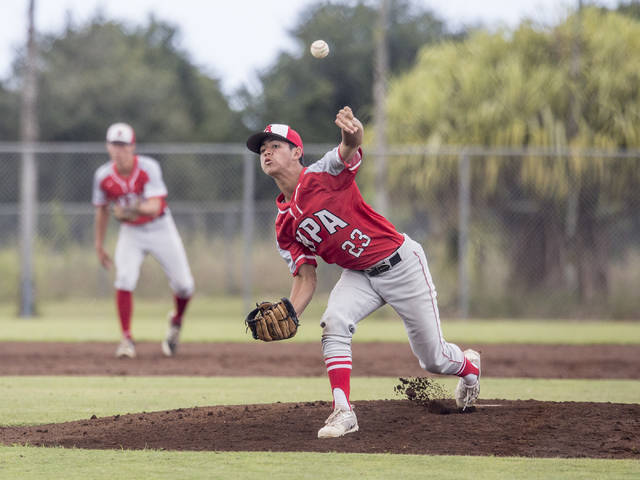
[(495, 427)]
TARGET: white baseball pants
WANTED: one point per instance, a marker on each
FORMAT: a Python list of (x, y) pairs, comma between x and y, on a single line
[(160, 239), (409, 289)]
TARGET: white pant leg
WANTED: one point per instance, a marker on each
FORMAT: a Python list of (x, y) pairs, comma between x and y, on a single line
[(409, 289), (351, 300), (128, 257), (168, 250)]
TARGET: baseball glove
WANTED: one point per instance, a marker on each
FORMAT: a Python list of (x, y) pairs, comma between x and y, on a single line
[(273, 321), (125, 213)]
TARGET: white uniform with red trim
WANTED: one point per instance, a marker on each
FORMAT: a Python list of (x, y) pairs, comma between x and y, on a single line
[(328, 217), (146, 235)]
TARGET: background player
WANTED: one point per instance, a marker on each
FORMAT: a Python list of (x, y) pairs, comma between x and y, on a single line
[(321, 212), (133, 185)]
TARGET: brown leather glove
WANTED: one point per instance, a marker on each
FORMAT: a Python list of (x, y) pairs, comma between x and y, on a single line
[(273, 321)]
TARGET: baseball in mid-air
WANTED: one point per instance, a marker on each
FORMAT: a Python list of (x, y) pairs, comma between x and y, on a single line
[(319, 49)]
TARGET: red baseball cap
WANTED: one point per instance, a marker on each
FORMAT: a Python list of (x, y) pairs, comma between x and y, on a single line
[(276, 131)]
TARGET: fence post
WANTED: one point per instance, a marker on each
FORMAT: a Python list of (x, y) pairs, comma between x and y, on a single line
[(229, 229), (248, 218), (29, 175), (381, 68), (464, 201), (28, 205)]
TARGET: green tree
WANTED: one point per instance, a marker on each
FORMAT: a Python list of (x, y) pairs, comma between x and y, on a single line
[(103, 71), (9, 126), (519, 89), (631, 8), (307, 92), (9, 113)]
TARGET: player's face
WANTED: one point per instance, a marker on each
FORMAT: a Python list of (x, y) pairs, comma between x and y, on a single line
[(275, 155), (123, 155)]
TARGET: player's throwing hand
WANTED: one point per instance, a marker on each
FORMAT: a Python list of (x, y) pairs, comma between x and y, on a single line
[(346, 120), (352, 133)]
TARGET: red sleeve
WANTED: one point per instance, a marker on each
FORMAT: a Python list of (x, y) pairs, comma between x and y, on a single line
[(296, 254), (355, 162)]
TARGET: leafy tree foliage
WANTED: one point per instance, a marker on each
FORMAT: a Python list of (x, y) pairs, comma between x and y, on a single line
[(631, 8), (522, 89), (9, 108), (101, 72), (307, 92)]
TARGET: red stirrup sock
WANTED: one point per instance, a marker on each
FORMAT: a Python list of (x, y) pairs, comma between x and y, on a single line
[(124, 301), (181, 306), (339, 371), (470, 369)]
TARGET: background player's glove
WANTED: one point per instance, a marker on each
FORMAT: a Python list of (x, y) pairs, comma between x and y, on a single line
[(273, 321), (125, 214)]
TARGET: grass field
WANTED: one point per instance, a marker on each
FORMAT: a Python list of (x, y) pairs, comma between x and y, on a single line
[(37, 463), (34, 400), (221, 320)]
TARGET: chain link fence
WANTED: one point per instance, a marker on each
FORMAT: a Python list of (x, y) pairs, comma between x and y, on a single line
[(508, 233)]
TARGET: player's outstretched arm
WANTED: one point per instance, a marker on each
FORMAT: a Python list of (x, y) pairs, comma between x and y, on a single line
[(352, 133), (303, 288)]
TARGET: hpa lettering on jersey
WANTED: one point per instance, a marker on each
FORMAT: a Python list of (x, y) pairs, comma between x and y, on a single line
[(145, 181), (327, 217)]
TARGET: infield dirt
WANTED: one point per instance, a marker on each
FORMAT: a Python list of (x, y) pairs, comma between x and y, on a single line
[(293, 359), (496, 427)]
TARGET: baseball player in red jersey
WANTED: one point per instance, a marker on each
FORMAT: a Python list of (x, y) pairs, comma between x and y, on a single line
[(133, 185), (322, 213)]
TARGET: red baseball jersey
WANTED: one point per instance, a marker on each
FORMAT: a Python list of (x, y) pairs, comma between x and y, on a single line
[(328, 217), (145, 181)]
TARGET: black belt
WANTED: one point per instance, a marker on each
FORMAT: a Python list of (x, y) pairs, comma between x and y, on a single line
[(383, 266)]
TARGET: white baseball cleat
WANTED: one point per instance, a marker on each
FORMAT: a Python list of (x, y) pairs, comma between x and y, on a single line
[(170, 343), (466, 395), (126, 348), (339, 423)]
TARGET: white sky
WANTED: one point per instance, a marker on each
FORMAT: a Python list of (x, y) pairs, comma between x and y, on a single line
[(233, 39)]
